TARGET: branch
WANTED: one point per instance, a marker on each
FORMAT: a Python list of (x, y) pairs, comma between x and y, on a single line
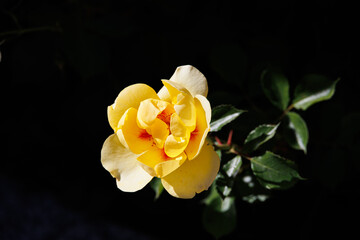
[(30, 30)]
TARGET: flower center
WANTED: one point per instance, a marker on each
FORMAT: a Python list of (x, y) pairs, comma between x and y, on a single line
[(165, 117), (164, 123)]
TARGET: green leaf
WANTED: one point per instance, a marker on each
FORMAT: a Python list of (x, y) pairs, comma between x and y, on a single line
[(274, 171), (219, 215), (232, 167), (222, 115), (259, 136), (313, 88), (226, 176), (157, 186), (296, 132), (213, 193), (218, 152), (276, 88)]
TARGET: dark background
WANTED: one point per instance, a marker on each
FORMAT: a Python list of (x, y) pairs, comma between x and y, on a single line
[(56, 83)]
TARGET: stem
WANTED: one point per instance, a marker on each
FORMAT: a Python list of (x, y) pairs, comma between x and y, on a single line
[(233, 150), (231, 147), (29, 30), (285, 112)]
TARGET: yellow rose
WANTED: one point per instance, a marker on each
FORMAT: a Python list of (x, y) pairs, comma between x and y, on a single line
[(162, 135)]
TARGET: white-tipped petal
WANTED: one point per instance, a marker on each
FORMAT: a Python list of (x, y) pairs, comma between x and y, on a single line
[(192, 79), (123, 165)]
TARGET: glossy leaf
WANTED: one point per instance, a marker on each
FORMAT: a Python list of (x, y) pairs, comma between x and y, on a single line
[(313, 88), (222, 115), (274, 171), (276, 88), (219, 215), (227, 174), (232, 167), (259, 136), (157, 186), (295, 131)]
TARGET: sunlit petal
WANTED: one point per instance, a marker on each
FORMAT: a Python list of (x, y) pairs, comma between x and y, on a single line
[(188, 77), (148, 111), (175, 145), (123, 166), (138, 140), (164, 168), (193, 176), (192, 79), (206, 106), (158, 163), (198, 136), (159, 131), (185, 108), (130, 96), (177, 127)]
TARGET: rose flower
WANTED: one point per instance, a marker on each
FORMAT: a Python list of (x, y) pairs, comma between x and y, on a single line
[(162, 135)]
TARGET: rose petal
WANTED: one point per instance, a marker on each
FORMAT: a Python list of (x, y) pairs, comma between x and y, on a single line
[(193, 176), (177, 127), (198, 136), (159, 131), (185, 108), (164, 168), (175, 145), (148, 111), (190, 78), (183, 103), (138, 140), (158, 163), (130, 96), (170, 90), (123, 166), (206, 106)]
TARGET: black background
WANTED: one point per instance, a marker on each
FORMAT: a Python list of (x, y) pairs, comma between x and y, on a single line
[(57, 83)]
